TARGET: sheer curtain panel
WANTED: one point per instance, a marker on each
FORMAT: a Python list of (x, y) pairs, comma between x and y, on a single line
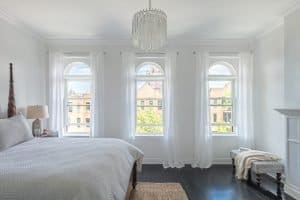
[(97, 65), (171, 136), (203, 139), (245, 107), (128, 69), (56, 91)]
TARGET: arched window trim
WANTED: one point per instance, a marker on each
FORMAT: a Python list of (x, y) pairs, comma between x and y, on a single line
[(220, 76), (68, 67), (140, 66)]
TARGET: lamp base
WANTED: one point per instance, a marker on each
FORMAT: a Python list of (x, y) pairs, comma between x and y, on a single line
[(37, 128)]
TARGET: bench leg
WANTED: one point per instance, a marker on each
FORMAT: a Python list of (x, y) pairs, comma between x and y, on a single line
[(249, 177), (258, 180), (278, 181), (233, 166)]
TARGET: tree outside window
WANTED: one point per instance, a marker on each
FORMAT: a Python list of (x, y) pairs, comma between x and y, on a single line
[(149, 88)]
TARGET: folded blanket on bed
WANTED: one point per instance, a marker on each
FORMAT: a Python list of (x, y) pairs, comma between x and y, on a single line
[(244, 160)]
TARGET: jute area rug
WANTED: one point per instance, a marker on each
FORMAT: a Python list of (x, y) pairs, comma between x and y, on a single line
[(158, 191)]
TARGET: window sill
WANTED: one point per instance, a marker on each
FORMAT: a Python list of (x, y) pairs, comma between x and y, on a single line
[(224, 134), (149, 135)]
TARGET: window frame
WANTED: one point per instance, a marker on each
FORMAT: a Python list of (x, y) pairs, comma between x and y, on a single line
[(149, 78), (233, 79), (78, 78)]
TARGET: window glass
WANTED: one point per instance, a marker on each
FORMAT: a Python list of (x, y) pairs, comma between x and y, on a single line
[(78, 68), (78, 86), (149, 101), (221, 95), (219, 69), (150, 69)]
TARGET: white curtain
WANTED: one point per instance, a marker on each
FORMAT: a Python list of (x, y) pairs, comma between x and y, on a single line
[(128, 66), (203, 139), (244, 107), (171, 134), (97, 66), (56, 91)]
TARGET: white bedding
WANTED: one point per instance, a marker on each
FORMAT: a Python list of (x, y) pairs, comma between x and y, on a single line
[(67, 169)]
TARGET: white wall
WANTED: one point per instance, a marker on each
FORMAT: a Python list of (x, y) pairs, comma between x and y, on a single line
[(269, 127), (184, 94), (292, 59), (28, 56)]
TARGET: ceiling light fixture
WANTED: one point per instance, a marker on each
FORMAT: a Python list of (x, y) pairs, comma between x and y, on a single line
[(149, 29)]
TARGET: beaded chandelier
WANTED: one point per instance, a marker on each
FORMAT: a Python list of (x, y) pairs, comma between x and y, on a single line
[(149, 29)]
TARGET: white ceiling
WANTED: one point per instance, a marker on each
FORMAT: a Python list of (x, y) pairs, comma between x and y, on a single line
[(111, 19)]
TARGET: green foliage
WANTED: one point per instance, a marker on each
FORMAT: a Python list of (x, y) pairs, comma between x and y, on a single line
[(222, 129), (149, 121)]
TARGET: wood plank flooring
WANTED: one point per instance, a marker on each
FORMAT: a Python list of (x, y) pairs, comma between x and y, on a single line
[(216, 183)]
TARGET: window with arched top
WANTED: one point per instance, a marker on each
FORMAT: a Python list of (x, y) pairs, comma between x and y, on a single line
[(78, 87), (221, 69), (78, 69), (149, 106), (221, 88)]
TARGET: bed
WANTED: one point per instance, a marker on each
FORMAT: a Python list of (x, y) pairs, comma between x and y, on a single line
[(68, 168)]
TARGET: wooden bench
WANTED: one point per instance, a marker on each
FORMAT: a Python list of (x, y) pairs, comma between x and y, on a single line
[(262, 167)]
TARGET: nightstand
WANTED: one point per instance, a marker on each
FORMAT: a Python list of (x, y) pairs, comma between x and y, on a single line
[(49, 134)]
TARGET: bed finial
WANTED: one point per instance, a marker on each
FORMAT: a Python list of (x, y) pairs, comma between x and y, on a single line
[(11, 109)]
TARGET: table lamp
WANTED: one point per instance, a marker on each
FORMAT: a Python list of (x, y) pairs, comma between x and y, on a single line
[(37, 112)]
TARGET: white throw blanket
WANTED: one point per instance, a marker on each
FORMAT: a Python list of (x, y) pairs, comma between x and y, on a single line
[(67, 169), (244, 160)]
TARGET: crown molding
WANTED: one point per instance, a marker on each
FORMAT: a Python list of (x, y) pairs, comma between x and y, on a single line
[(272, 27), (278, 23), (294, 6), (13, 21), (128, 42)]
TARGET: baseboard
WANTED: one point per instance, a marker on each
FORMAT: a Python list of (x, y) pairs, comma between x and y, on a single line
[(222, 161), (152, 161), (292, 191), (158, 161)]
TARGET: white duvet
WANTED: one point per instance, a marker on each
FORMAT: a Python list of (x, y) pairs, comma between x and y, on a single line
[(67, 169)]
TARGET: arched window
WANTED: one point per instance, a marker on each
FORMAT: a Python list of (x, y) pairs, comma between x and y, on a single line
[(221, 88), (149, 82), (78, 84)]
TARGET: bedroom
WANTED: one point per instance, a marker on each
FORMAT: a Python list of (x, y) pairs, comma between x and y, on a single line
[(245, 53)]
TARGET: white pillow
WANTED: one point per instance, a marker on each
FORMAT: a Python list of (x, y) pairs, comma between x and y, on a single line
[(13, 131)]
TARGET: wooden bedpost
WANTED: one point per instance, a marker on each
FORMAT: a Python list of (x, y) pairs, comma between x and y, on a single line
[(134, 176), (11, 108)]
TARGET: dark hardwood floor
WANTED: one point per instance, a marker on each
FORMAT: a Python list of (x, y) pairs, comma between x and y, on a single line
[(216, 183)]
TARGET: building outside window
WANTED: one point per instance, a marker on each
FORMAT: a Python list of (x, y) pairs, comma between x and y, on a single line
[(149, 84), (215, 118), (88, 106), (221, 87), (70, 107), (227, 116), (87, 121), (78, 84), (151, 102)]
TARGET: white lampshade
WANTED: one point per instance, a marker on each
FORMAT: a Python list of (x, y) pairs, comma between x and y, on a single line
[(37, 112)]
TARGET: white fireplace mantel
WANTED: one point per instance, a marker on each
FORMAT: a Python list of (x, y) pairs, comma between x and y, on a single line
[(289, 112), (292, 172)]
